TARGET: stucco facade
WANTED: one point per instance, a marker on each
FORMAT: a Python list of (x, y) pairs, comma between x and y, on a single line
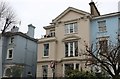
[(58, 40)]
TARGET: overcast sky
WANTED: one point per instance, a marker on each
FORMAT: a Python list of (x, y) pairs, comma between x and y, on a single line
[(41, 12)]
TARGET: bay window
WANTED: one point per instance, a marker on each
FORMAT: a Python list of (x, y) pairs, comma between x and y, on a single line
[(70, 66)]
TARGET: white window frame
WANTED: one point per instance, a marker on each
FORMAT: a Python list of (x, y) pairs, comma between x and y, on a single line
[(68, 27), (4, 75), (102, 26), (8, 53), (69, 48)]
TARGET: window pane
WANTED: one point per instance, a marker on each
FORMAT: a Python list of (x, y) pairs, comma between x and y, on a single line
[(76, 48), (75, 27), (71, 48), (66, 29), (102, 26), (12, 39), (8, 72), (68, 67), (10, 53), (77, 66), (45, 71), (103, 46), (46, 49), (70, 28), (66, 49)]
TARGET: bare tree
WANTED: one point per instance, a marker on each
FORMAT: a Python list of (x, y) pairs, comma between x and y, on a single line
[(7, 16), (107, 57)]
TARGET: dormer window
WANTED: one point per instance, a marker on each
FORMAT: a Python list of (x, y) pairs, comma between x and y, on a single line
[(71, 28)]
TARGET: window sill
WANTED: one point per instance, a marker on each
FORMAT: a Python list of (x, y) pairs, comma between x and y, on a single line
[(9, 58), (11, 43), (102, 32), (45, 57), (70, 33), (70, 56)]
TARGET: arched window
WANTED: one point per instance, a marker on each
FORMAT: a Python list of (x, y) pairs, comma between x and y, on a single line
[(8, 72)]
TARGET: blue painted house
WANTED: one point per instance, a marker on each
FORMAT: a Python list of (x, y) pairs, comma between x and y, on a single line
[(19, 53), (105, 27)]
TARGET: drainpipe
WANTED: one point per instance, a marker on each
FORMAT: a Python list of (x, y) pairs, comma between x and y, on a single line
[(1, 44)]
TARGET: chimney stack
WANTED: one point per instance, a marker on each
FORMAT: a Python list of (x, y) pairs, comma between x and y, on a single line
[(93, 9), (30, 32)]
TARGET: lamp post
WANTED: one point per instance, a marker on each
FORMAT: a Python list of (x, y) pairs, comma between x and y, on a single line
[(52, 65)]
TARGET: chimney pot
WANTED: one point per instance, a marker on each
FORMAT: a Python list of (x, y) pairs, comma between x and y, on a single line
[(14, 29)]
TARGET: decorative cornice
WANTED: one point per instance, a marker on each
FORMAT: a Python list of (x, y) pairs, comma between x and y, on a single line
[(64, 59), (50, 39), (103, 37), (9, 34), (107, 15), (75, 59), (49, 27), (46, 61), (70, 37)]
